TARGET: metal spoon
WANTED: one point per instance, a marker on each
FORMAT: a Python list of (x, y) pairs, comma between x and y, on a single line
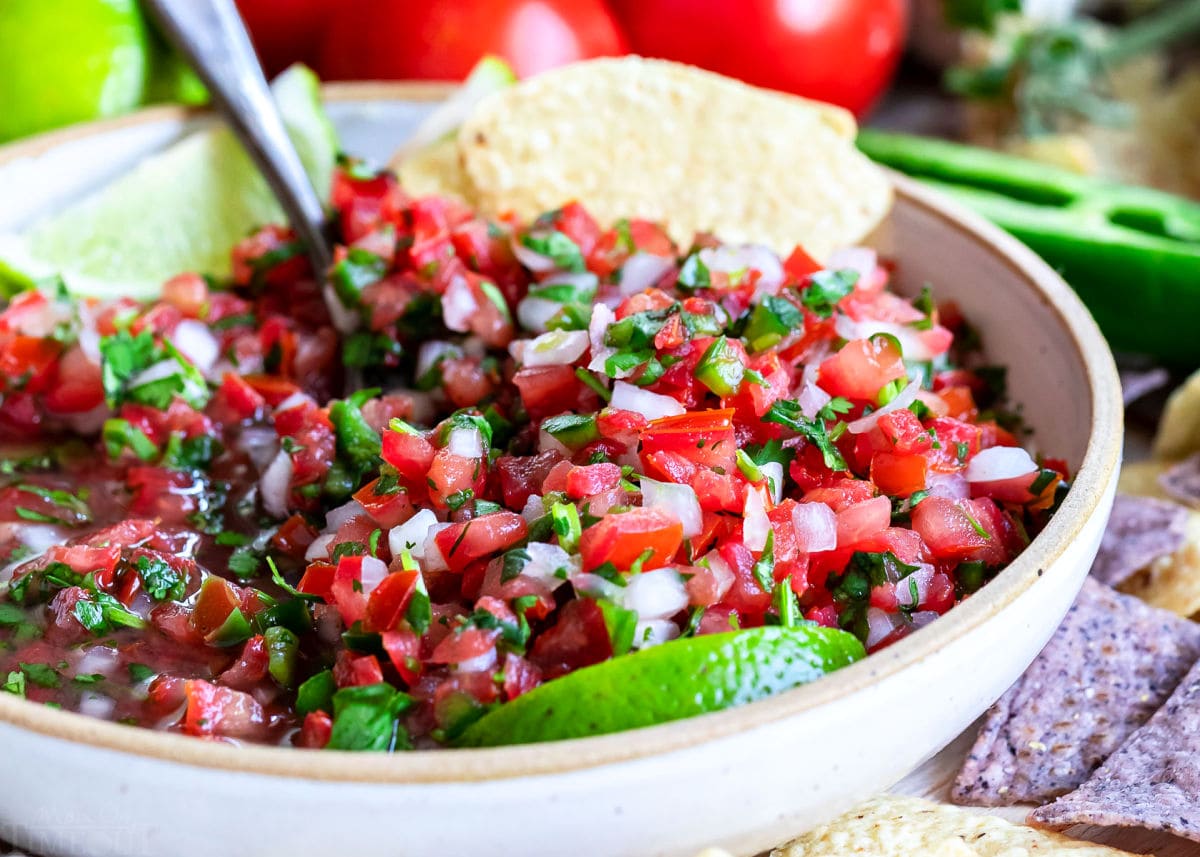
[(210, 34)]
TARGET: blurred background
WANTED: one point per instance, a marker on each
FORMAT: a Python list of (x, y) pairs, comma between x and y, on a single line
[(1105, 88)]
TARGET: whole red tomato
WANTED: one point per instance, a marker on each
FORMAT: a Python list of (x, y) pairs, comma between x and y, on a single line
[(842, 51), (432, 40), (285, 31)]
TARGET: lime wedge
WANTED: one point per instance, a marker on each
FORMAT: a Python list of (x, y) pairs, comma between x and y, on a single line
[(679, 679), (180, 210)]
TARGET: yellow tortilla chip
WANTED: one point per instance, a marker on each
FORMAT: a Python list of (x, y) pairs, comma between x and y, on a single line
[(907, 827), (436, 169), (1179, 429), (1173, 582), (633, 137), (1141, 478)]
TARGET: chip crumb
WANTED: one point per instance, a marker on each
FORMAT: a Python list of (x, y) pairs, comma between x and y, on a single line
[(889, 826)]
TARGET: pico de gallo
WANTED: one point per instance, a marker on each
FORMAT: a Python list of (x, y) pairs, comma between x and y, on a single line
[(359, 511)]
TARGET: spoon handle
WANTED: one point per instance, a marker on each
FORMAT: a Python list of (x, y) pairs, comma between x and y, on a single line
[(210, 34)]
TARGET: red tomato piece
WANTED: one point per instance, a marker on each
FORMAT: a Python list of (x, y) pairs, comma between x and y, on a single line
[(462, 544), (622, 539), (861, 369), (578, 638)]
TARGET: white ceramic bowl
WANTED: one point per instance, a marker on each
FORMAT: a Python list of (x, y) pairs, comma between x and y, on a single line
[(744, 779)]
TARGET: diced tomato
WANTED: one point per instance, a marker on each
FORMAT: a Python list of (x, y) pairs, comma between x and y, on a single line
[(464, 543), (861, 368), (356, 670), (522, 476), (899, 475), (746, 595), (703, 437), (221, 711), (578, 638), (403, 649), (548, 390), (388, 509), (318, 580), (77, 387), (451, 475), (316, 731), (386, 606), (841, 494), (217, 599), (621, 539), (953, 530), (520, 676), (592, 479), (464, 645)]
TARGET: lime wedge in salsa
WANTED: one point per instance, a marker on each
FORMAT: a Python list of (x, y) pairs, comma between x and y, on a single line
[(679, 679), (180, 210)]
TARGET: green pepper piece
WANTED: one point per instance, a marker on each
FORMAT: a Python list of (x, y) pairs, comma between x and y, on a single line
[(720, 369), (283, 648), (574, 431), (234, 630), (1133, 254)]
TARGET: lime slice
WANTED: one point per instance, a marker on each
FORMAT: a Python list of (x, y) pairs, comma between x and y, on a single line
[(69, 61), (180, 210), (679, 679)]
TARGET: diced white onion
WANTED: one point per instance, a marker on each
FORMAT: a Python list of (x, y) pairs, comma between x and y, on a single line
[(678, 501), (653, 633), (643, 270), (595, 585), (546, 560), (374, 570), (432, 352), (480, 663), (880, 625), (459, 305), (924, 617), (952, 486), (773, 471), (911, 342), (156, 372), (999, 462), (902, 400), (652, 406), (465, 441), (295, 400), (196, 342), (811, 399), (432, 560), (721, 572), (260, 443), (555, 348), (320, 547), (275, 484), (919, 580), (816, 527), (410, 536), (535, 507), (656, 594), (100, 660), (730, 259), (89, 338), (531, 259), (334, 518), (862, 260), (755, 523), (535, 313), (97, 705), (602, 317), (345, 320), (549, 443)]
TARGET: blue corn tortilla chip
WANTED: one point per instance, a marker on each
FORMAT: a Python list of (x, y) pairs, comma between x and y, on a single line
[(1140, 530), (1182, 481), (1152, 782), (1111, 664)]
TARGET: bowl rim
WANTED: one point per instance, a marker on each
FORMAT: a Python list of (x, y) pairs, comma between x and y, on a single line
[(1096, 472)]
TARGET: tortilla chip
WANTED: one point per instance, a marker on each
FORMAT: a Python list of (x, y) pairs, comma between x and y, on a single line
[(1179, 430), (1152, 782), (908, 827), (1173, 582), (698, 152), (436, 169), (1140, 531), (1136, 383), (1181, 481), (1107, 669), (1141, 478)]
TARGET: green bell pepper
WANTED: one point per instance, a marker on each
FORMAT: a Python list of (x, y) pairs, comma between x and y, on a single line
[(1132, 254)]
